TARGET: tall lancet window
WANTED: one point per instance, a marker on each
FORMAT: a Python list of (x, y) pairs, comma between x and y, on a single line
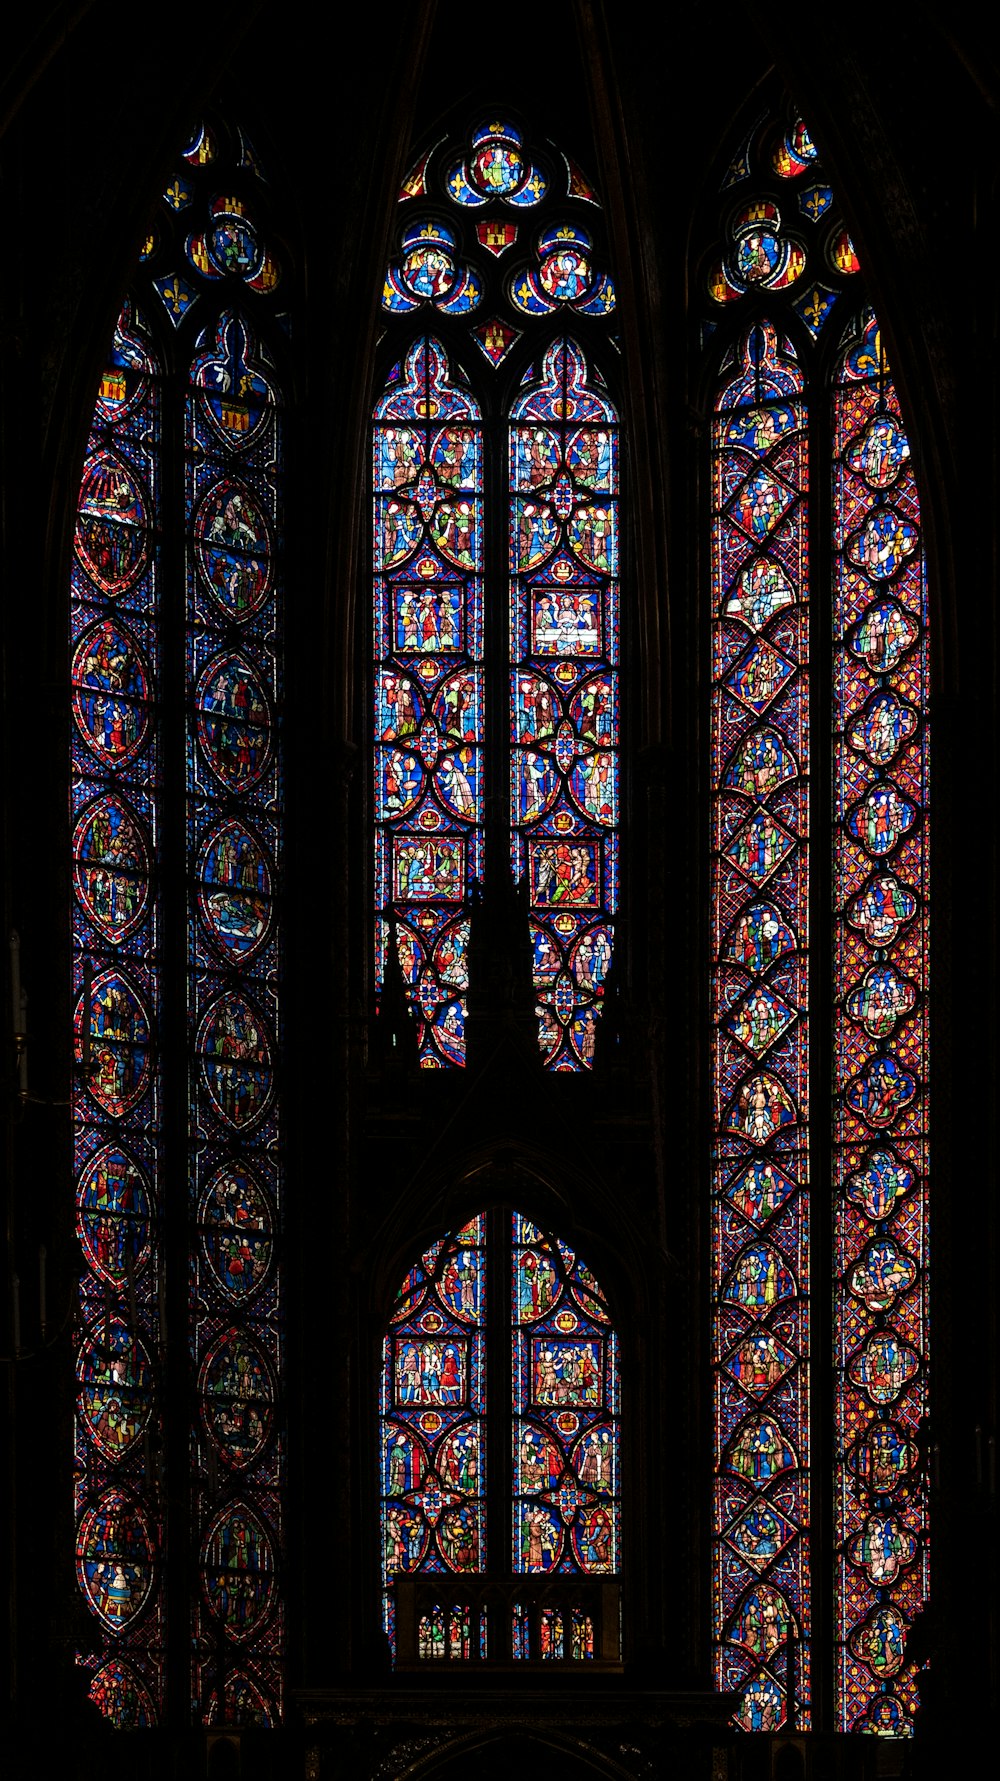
[(819, 939), (496, 616), (881, 1125), (177, 844)]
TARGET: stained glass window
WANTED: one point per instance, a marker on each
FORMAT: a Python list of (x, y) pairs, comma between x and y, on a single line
[(428, 477), (564, 654), (116, 800), (880, 1040), (760, 768), (449, 1426), (566, 1391), (234, 492), (518, 261), (788, 276), (186, 445)]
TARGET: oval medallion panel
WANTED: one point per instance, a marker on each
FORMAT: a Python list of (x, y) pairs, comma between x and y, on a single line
[(111, 539), (111, 867), (237, 1398), (110, 692), (235, 1060), (234, 890), (234, 722), (233, 549), (237, 1228), (116, 1387), (119, 1043), (238, 1569), (115, 1559), (112, 1199)]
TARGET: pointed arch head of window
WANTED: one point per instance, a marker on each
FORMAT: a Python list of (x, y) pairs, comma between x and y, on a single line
[(487, 605), (500, 1453)]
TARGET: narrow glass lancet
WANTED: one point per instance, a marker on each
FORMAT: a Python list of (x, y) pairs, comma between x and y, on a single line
[(433, 1421), (564, 690), (567, 1459), (428, 543), (234, 498), (881, 868), (760, 885), (116, 792)]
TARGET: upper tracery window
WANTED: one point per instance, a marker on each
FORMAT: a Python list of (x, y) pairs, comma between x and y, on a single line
[(496, 619)]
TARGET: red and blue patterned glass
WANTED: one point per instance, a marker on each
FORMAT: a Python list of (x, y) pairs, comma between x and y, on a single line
[(760, 890), (564, 690), (566, 1449), (116, 792), (233, 494), (523, 242), (561, 1426), (433, 1421), (881, 867), (428, 545)]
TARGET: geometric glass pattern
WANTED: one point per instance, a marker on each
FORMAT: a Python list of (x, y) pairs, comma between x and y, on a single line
[(433, 1415), (564, 690), (873, 704), (881, 688), (176, 779), (566, 1449), (428, 531), (512, 263), (760, 891), (446, 1416)]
